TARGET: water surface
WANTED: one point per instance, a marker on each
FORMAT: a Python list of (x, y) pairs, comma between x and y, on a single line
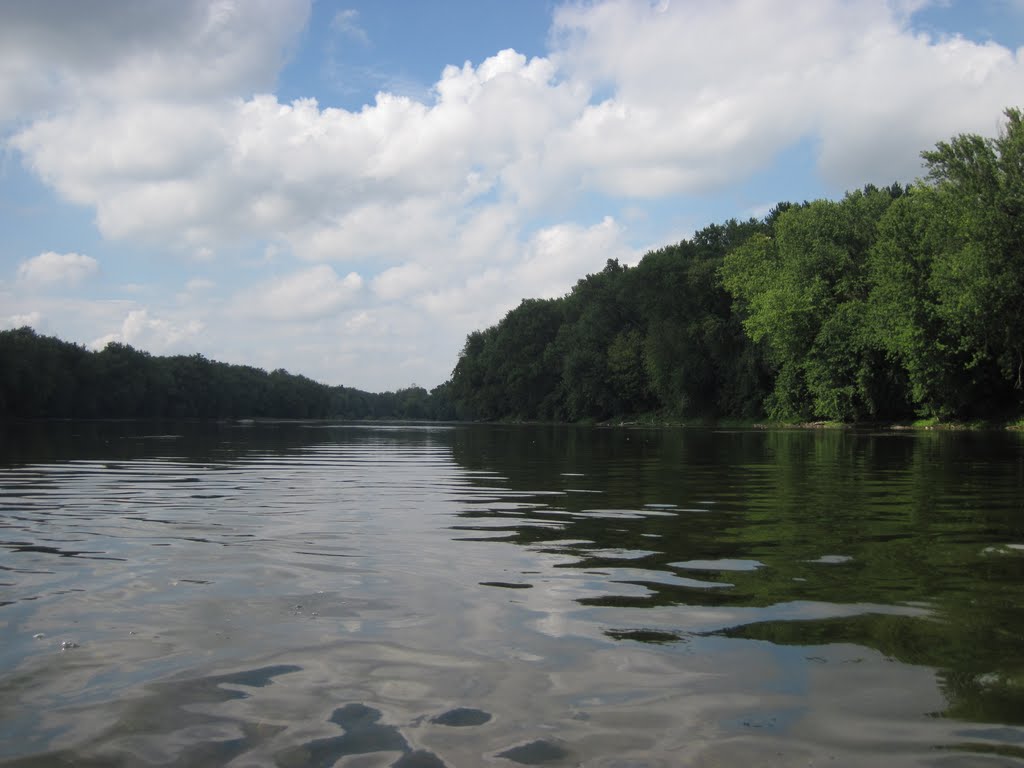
[(424, 595)]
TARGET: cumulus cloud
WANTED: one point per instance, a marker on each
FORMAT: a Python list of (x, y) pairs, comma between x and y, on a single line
[(51, 267), (105, 52), (210, 164), (152, 333), (746, 81), (304, 295), (162, 118), (210, 171), (31, 319), (398, 282), (545, 267)]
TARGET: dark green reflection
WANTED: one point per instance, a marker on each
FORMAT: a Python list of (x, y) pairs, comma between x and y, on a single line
[(27, 442), (931, 523)]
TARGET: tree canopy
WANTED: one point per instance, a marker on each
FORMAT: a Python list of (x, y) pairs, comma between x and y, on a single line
[(42, 376), (662, 335), (888, 304)]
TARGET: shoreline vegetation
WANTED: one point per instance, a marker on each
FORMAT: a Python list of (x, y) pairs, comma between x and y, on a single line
[(662, 422), (45, 377), (898, 307)]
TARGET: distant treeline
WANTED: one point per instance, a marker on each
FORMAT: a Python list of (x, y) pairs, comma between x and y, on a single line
[(42, 376), (889, 304)]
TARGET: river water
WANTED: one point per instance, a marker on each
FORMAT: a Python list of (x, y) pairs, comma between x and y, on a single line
[(290, 594)]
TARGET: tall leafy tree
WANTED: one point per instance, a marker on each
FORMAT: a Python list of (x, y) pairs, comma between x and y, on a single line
[(949, 276), (697, 357), (596, 314), (803, 291)]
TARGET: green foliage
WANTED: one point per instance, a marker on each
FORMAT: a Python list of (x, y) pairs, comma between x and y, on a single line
[(803, 292), (626, 372), (698, 358), (597, 311), (511, 372), (42, 376), (948, 274), (660, 336)]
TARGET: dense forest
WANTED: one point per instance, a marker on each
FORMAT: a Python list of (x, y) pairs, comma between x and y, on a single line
[(890, 304), (41, 376)]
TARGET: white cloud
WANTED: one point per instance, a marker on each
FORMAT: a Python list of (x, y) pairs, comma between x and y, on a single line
[(379, 231), (222, 170), (161, 118), (309, 294), (153, 334), (398, 282), (103, 341), (51, 267), (546, 266), (561, 254), (359, 322), (31, 319), (195, 288), (747, 81), (698, 95), (108, 52)]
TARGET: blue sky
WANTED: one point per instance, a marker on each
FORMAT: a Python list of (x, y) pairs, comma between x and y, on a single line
[(346, 189)]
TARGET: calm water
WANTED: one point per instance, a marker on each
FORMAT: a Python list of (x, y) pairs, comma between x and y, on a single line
[(419, 596)]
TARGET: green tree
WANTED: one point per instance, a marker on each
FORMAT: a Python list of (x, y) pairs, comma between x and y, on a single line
[(803, 291), (948, 273), (697, 357), (596, 313)]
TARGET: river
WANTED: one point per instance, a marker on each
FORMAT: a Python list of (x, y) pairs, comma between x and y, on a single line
[(423, 595)]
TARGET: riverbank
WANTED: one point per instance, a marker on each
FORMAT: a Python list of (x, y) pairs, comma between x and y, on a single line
[(912, 426)]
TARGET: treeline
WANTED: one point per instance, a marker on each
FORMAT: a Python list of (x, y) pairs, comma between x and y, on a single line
[(889, 304), (659, 336), (42, 376)]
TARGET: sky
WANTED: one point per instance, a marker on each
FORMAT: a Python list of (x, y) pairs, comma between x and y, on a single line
[(347, 189)]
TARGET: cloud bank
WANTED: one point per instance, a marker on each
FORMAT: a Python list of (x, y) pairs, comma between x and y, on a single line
[(53, 267), (401, 226)]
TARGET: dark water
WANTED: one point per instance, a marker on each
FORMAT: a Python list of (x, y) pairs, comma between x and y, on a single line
[(419, 596)]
